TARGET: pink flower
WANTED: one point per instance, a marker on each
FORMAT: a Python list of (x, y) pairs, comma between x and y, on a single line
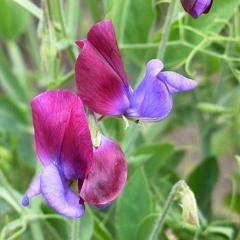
[(65, 150), (103, 84)]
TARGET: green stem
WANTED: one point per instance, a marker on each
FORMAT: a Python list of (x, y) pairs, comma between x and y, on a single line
[(166, 29), (160, 221), (65, 79), (224, 69), (123, 20), (205, 133), (30, 7), (75, 226), (94, 9), (18, 63), (37, 231), (64, 31)]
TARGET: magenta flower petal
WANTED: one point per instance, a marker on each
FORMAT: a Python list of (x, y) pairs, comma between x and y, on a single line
[(58, 195), (107, 175), (102, 37), (176, 82), (197, 7), (33, 190), (77, 149), (61, 132), (100, 76)]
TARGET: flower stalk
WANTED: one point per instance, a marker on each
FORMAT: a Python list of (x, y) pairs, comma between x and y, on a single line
[(75, 226), (160, 221)]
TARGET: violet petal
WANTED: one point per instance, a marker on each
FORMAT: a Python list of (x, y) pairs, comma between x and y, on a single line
[(197, 7), (151, 100), (58, 195), (176, 82), (33, 190)]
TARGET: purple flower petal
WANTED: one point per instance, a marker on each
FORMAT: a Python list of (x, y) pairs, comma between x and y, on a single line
[(61, 132), (101, 206), (208, 8), (197, 7), (58, 195), (176, 82), (107, 175), (152, 69), (100, 76), (200, 7), (151, 100), (33, 190), (188, 4)]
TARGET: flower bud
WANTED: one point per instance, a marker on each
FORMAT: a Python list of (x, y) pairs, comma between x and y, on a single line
[(188, 204), (197, 7)]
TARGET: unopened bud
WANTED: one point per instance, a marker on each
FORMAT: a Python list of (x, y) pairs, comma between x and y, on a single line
[(188, 204)]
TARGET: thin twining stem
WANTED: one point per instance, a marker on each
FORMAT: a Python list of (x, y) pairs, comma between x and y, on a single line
[(166, 29), (160, 221)]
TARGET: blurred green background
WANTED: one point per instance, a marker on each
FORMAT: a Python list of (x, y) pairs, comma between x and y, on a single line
[(198, 142)]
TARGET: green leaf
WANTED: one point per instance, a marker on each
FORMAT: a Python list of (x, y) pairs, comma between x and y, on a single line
[(12, 24), (133, 205), (202, 181), (9, 82), (159, 155), (146, 227), (14, 120), (132, 139), (232, 201), (12, 117), (225, 231), (133, 20), (159, 159), (160, 149), (176, 54), (100, 231)]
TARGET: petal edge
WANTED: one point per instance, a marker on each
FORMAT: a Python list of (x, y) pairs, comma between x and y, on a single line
[(58, 195), (107, 176)]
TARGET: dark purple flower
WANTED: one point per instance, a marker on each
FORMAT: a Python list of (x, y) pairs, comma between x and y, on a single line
[(65, 149), (103, 84), (197, 7)]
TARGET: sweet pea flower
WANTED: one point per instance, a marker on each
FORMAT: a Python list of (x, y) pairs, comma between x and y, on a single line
[(103, 84), (65, 150), (197, 7)]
